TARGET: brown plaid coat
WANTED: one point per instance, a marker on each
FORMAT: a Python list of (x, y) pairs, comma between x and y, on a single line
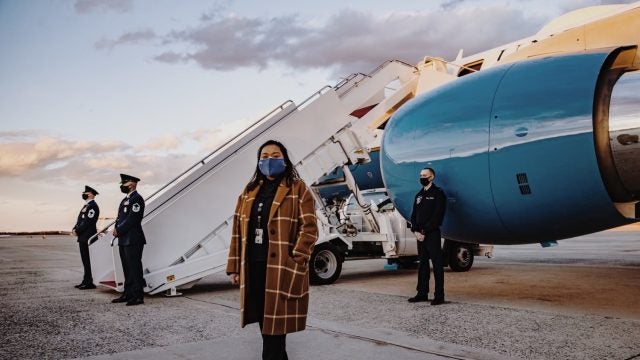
[(292, 233)]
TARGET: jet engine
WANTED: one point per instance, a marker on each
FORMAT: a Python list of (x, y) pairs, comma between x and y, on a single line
[(531, 151)]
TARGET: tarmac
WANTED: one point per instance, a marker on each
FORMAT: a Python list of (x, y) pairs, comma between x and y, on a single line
[(363, 316), (321, 340)]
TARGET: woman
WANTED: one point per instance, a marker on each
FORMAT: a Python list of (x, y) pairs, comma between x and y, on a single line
[(274, 230)]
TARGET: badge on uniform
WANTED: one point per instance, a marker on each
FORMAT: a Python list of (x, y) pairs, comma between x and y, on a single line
[(126, 203), (418, 199), (135, 207), (84, 209), (91, 213), (258, 236)]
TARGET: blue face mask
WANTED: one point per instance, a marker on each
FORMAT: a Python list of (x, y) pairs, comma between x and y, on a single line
[(271, 167)]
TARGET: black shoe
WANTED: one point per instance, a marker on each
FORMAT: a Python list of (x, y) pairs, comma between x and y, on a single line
[(121, 299), (437, 301), (78, 286), (135, 302), (418, 298), (86, 287)]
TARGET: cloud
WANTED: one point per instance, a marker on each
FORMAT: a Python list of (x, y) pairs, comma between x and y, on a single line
[(88, 6), (134, 37), (447, 5), (36, 156), (20, 156), (234, 42), (211, 139), (350, 40), (216, 10), (167, 142), (11, 135), (52, 160), (171, 57), (153, 169)]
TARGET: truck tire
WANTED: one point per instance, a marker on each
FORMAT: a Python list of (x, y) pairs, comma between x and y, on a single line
[(460, 256), (325, 265)]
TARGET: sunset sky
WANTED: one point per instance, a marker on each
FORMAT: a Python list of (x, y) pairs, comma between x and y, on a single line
[(92, 88)]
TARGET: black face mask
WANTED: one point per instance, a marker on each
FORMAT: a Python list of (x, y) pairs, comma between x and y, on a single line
[(425, 181), (124, 189), (85, 196)]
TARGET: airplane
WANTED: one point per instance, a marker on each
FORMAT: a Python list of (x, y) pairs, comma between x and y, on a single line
[(536, 140), (532, 141)]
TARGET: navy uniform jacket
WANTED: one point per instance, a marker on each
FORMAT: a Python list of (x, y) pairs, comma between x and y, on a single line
[(428, 210), (86, 225), (129, 221)]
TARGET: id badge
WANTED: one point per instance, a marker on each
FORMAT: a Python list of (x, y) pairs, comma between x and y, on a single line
[(258, 236)]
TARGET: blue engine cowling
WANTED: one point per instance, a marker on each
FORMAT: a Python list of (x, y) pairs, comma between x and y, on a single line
[(367, 176), (514, 148)]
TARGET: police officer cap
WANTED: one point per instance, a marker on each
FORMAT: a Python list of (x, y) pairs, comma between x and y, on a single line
[(124, 178), (89, 189)]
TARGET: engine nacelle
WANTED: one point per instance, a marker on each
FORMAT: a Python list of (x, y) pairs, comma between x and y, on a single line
[(531, 151)]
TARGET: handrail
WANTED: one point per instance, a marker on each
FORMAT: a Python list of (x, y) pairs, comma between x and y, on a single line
[(345, 80), (233, 139), (377, 70), (203, 161), (319, 92)]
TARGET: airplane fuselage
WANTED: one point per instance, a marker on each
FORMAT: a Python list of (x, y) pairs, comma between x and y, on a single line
[(537, 142)]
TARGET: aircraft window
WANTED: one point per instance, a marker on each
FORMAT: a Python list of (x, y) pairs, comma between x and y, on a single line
[(470, 68)]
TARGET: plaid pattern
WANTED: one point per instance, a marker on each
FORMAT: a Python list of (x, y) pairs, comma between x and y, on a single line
[(292, 234)]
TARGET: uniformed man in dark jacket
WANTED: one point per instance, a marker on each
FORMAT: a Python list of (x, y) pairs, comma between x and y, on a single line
[(84, 229), (128, 230), (426, 218)]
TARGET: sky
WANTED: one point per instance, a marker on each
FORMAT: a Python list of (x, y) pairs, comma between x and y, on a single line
[(93, 88)]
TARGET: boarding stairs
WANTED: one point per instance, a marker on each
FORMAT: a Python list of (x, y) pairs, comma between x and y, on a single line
[(188, 221)]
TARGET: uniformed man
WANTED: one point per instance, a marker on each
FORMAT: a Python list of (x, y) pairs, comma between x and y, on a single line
[(84, 229), (131, 240), (426, 218)]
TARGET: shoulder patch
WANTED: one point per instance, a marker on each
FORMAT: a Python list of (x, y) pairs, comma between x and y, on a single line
[(135, 207), (91, 214)]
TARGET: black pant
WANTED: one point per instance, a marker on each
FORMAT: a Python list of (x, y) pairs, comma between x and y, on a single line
[(430, 248), (274, 347), (131, 258), (86, 262)]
